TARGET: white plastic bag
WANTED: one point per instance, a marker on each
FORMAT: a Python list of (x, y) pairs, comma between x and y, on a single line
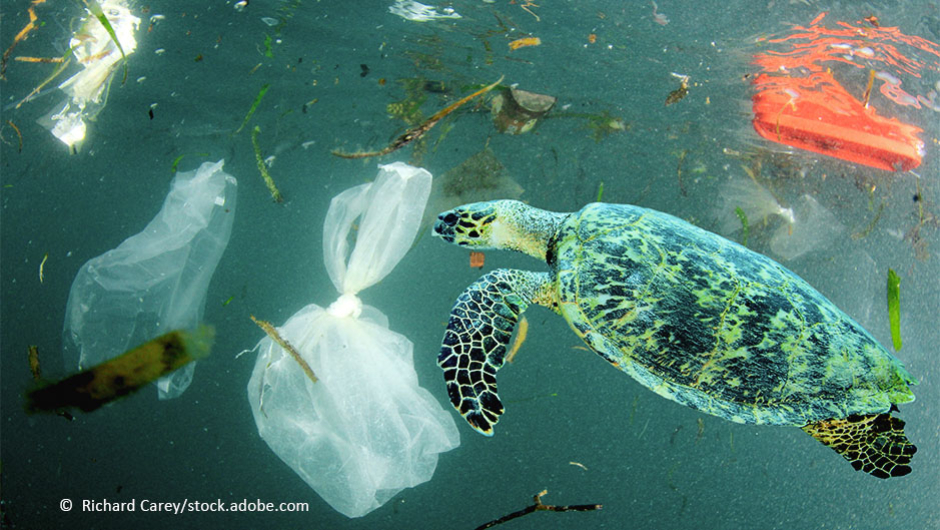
[(155, 281), (95, 50), (365, 430)]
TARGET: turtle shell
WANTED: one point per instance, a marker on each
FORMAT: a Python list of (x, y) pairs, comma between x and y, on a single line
[(712, 325)]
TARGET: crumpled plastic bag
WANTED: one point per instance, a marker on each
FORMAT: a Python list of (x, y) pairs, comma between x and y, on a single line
[(811, 227), (155, 281), (365, 430), (95, 50)]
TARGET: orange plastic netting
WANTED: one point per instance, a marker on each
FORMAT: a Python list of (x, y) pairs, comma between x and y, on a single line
[(799, 102)]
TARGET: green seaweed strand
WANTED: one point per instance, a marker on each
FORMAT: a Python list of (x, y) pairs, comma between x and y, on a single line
[(96, 10), (176, 161), (275, 194), (744, 226), (600, 191), (894, 308), (267, 46), (254, 107)]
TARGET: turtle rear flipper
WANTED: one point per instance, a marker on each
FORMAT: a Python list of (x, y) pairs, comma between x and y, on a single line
[(474, 345), (873, 443)]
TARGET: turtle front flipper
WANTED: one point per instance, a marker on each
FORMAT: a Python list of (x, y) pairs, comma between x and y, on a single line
[(474, 345), (873, 443)]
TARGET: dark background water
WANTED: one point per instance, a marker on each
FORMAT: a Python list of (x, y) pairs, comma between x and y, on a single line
[(650, 462)]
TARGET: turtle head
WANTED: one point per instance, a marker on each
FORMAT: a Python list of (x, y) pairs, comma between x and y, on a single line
[(511, 225), (470, 225)]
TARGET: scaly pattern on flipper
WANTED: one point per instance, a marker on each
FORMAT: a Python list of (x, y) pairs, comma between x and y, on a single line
[(474, 345), (873, 443)]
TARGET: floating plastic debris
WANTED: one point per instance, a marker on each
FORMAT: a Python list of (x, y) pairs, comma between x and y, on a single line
[(517, 111), (801, 102), (522, 43), (659, 18), (98, 53), (365, 429), (811, 227), (419, 12), (155, 280), (754, 200)]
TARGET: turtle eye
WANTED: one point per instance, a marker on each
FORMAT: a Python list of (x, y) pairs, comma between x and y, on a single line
[(449, 219)]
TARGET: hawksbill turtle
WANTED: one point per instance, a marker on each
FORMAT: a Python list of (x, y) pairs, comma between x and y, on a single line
[(692, 316)]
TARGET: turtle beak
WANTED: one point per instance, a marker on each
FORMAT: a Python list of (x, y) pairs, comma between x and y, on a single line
[(444, 227)]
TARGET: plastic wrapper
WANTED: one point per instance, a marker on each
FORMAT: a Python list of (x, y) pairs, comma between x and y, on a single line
[(813, 227), (155, 281), (365, 429), (755, 201), (99, 56), (418, 12)]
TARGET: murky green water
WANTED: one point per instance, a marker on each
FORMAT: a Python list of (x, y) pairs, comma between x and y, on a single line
[(573, 426)]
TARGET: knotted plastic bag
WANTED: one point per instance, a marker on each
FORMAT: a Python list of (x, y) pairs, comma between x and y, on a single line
[(155, 281), (364, 430)]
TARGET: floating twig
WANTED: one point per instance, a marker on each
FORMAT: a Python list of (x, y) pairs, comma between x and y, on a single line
[(21, 36), (871, 81), (527, 5), (538, 506), (871, 226), (263, 168), (417, 132), (25, 59), (34, 363), (66, 60), (276, 337), (41, 265), (18, 135)]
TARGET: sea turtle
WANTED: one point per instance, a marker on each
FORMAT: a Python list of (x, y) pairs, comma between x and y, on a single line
[(694, 317)]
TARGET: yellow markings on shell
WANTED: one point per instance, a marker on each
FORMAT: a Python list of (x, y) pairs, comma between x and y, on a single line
[(712, 358)]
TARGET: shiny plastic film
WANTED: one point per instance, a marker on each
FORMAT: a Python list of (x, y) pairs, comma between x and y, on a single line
[(365, 429), (100, 57), (155, 281)]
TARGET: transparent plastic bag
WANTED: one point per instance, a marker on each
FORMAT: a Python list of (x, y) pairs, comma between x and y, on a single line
[(155, 281), (99, 56), (365, 430)]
